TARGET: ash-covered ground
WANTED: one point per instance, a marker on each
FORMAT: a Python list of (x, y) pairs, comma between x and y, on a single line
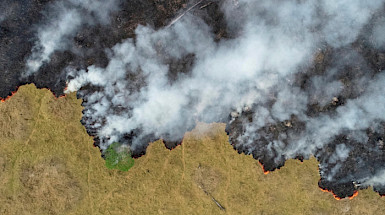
[(290, 78)]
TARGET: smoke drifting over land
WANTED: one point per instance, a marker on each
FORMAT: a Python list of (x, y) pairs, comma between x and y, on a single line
[(290, 78), (65, 18)]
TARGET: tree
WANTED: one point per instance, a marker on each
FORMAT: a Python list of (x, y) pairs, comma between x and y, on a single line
[(118, 157)]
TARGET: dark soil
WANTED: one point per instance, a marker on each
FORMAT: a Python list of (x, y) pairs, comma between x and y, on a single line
[(17, 39)]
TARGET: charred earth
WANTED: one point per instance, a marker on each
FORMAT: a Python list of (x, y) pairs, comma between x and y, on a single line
[(320, 90)]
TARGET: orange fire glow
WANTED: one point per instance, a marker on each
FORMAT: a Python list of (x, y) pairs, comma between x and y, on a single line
[(62, 96), (57, 97), (328, 191), (14, 92), (338, 198), (8, 97), (264, 171), (354, 195)]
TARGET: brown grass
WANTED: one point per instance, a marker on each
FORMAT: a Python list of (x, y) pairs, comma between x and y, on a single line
[(48, 165)]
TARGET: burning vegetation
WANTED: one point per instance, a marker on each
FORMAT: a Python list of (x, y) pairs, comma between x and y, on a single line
[(290, 79), (49, 166)]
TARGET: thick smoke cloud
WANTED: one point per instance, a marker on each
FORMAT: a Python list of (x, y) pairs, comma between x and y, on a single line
[(65, 19), (290, 81), (226, 75), (378, 32)]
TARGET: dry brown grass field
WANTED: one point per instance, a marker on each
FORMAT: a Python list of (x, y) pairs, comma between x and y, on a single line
[(48, 165)]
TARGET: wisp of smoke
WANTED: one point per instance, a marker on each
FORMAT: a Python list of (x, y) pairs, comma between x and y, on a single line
[(272, 81), (66, 17)]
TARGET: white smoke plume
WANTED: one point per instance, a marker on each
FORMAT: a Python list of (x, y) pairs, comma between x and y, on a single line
[(226, 75), (274, 39), (249, 78), (64, 19), (376, 180), (378, 33), (356, 115)]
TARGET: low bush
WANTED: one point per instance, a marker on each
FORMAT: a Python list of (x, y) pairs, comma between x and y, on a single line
[(118, 157)]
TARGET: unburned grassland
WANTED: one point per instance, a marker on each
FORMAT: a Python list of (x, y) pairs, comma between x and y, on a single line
[(48, 165)]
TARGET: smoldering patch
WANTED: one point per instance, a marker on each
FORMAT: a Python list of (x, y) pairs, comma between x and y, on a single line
[(290, 78)]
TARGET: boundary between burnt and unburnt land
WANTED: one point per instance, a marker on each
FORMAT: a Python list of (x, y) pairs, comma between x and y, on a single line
[(50, 78), (171, 146)]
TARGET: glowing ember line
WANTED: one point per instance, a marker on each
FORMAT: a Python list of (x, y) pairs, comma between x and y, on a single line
[(328, 191), (14, 92), (8, 97), (354, 195), (339, 198), (263, 168)]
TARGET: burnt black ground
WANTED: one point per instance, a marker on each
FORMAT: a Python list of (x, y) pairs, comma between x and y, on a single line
[(17, 37), (17, 33), (364, 159)]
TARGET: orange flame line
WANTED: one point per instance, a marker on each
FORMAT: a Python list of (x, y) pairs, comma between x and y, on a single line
[(354, 195), (339, 198), (17, 89), (328, 191), (8, 97), (263, 168)]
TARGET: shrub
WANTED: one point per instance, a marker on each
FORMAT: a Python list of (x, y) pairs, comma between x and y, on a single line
[(118, 157)]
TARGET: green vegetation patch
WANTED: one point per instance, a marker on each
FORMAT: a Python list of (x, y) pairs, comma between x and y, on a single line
[(118, 157)]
